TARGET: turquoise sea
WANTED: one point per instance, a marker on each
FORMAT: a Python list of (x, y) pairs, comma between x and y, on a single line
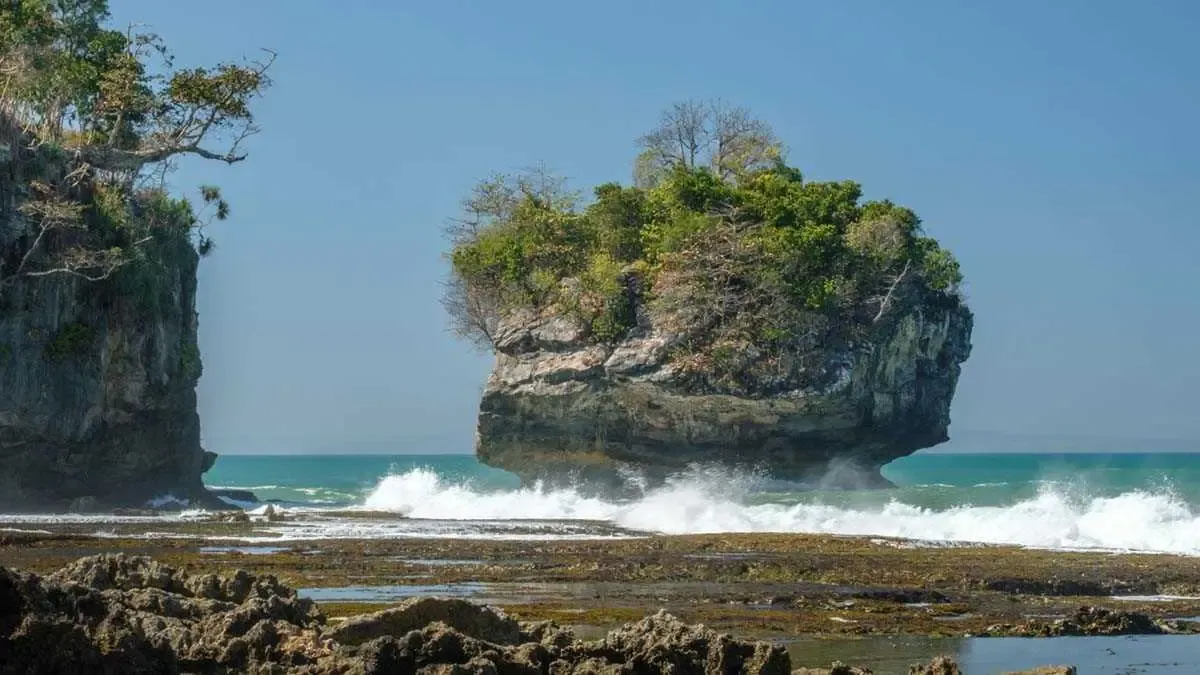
[(1115, 501)]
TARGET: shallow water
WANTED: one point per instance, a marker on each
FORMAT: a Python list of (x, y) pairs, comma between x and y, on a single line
[(389, 593), (247, 550), (1157, 654)]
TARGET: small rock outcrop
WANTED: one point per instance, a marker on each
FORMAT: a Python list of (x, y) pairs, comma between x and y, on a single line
[(1090, 621), (479, 622), (558, 404)]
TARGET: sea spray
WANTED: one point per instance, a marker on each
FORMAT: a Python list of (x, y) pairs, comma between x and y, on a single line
[(1118, 502), (710, 501)]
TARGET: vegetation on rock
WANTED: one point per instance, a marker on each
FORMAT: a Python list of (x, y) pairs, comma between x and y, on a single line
[(718, 240), (92, 120)]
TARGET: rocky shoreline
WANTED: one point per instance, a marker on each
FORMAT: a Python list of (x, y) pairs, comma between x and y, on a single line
[(774, 587), (115, 613)]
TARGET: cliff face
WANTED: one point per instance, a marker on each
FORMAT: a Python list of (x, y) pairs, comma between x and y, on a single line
[(97, 379), (559, 405)]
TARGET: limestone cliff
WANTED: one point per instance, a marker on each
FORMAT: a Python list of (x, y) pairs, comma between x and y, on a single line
[(97, 379), (559, 404)]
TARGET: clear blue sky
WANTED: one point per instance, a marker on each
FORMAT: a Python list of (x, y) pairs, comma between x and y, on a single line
[(1053, 146)]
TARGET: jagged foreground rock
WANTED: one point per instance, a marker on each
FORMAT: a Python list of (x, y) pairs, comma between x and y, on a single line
[(119, 614)]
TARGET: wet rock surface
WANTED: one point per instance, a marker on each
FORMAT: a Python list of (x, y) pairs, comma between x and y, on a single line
[(115, 613), (1088, 621), (129, 614), (767, 586), (479, 622)]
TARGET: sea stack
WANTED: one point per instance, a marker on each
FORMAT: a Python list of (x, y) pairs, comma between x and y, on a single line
[(558, 406), (723, 310)]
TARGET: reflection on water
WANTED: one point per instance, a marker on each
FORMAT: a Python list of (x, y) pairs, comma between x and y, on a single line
[(1158, 654), (389, 593), (246, 550)]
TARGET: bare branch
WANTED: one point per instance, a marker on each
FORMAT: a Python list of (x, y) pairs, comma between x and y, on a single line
[(887, 299), (474, 313), (693, 134)]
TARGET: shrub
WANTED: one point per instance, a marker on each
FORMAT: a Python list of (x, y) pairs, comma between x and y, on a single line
[(73, 339), (751, 260)]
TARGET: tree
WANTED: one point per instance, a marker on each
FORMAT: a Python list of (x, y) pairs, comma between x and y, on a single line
[(494, 200), (108, 110), (50, 213), (115, 98), (725, 139), (757, 272), (516, 236), (474, 311), (63, 243), (741, 143), (616, 219), (682, 135)]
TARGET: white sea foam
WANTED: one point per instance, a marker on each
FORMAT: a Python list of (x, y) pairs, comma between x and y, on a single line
[(710, 502), (1060, 516)]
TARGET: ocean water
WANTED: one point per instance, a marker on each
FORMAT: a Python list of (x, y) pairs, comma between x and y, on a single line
[(1122, 502)]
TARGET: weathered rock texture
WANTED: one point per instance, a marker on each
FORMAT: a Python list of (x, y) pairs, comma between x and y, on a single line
[(558, 404), (131, 615), (118, 614), (97, 379)]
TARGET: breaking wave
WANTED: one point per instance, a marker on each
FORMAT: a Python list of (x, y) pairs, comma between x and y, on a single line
[(708, 501)]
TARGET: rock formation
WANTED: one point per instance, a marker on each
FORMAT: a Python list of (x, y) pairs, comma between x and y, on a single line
[(132, 615), (97, 379), (110, 614), (722, 310), (558, 404)]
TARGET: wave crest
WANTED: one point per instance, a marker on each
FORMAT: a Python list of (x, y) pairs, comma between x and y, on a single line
[(712, 501)]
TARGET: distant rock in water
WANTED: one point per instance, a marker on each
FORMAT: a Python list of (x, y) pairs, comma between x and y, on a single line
[(558, 404), (722, 310)]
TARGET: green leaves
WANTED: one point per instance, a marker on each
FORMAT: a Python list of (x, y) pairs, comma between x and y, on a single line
[(225, 90), (106, 108), (754, 265), (938, 266), (616, 219)]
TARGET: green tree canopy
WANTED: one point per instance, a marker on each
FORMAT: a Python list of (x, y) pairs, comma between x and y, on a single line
[(108, 109), (719, 239)]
